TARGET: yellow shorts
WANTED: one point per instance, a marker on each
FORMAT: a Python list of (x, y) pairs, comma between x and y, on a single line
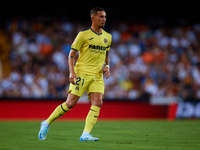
[(87, 82)]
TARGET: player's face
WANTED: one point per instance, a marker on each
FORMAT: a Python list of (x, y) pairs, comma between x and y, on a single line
[(100, 19)]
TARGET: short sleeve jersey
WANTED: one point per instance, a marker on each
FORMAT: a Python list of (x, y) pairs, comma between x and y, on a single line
[(92, 49)]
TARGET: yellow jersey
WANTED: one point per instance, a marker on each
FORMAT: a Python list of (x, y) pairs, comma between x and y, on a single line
[(92, 49)]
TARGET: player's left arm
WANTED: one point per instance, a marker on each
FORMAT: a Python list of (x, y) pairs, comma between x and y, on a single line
[(106, 69)]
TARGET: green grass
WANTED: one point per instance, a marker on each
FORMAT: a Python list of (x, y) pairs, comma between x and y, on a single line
[(114, 135)]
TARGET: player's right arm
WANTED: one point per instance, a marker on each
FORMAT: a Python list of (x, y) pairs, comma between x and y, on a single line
[(71, 61), (75, 47)]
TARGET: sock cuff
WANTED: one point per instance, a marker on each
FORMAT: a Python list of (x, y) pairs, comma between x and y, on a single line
[(64, 107), (96, 108)]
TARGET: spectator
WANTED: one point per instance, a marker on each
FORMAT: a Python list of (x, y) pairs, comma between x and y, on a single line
[(144, 62)]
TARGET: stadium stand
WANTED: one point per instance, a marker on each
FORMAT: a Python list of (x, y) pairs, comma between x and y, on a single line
[(146, 60)]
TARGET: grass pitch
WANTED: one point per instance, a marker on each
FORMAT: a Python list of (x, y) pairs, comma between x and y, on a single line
[(114, 135)]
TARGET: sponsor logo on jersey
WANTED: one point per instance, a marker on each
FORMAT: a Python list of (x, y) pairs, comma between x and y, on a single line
[(97, 47)]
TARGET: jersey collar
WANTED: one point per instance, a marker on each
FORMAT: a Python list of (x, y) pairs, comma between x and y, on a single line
[(95, 32)]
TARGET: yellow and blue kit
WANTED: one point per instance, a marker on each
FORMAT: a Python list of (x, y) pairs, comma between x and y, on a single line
[(92, 49)]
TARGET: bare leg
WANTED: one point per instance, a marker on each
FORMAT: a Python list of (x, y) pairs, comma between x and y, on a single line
[(96, 99), (71, 100)]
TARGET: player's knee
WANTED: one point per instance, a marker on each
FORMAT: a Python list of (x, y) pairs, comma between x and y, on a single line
[(98, 102), (70, 104), (71, 100)]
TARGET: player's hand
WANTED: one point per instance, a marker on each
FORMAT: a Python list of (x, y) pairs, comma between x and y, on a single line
[(72, 77), (106, 71)]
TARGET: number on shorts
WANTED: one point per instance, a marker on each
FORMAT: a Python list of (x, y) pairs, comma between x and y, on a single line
[(78, 80), (83, 82)]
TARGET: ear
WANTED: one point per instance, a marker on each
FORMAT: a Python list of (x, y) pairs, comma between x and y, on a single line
[(92, 17)]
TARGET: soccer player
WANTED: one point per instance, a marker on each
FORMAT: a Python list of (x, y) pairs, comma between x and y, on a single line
[(93, 45)]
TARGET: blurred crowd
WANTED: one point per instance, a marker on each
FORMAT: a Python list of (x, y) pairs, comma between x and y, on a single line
[(145, 62)]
